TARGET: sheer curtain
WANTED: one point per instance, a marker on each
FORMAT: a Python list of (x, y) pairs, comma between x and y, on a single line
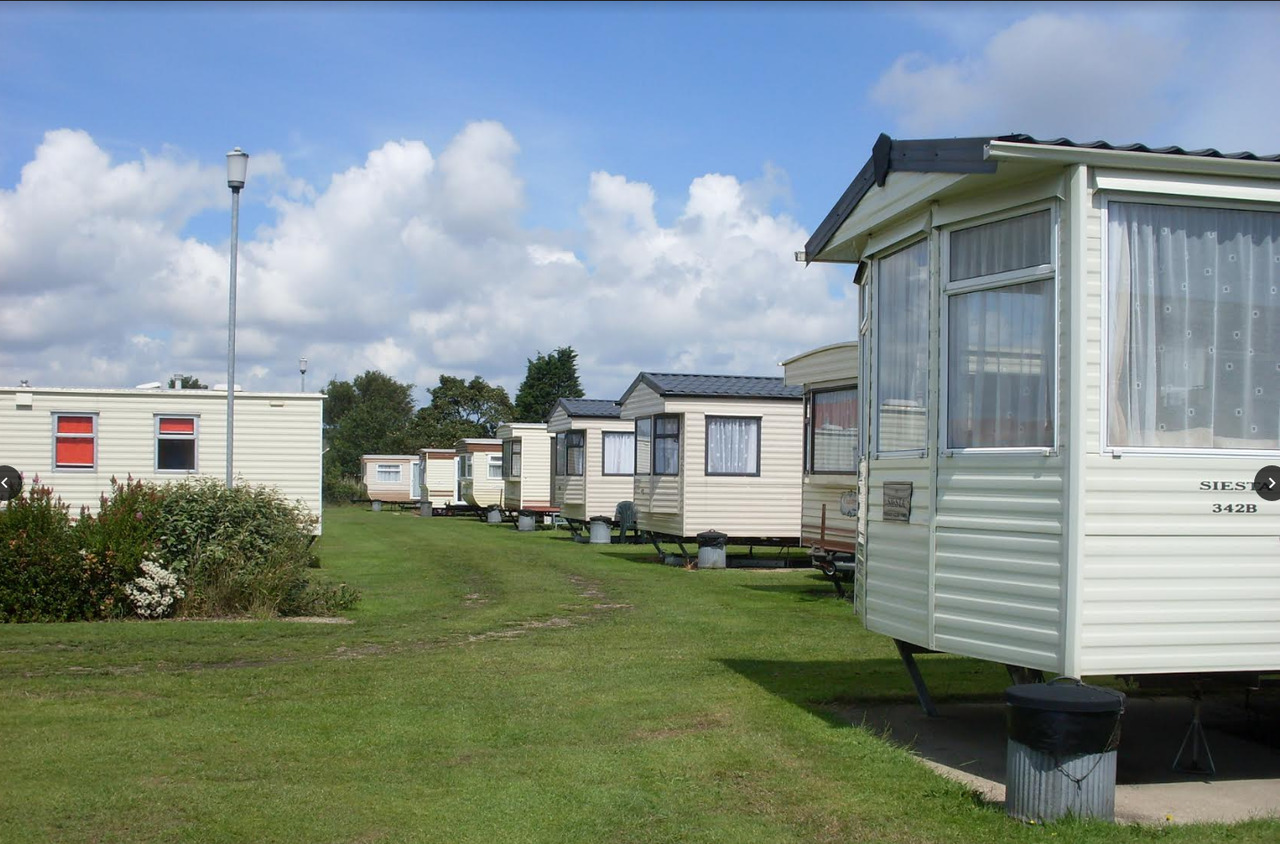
[(835, 431), (619, 453), (1000, 372), (1194, 319), (902, 303), (733, 446)]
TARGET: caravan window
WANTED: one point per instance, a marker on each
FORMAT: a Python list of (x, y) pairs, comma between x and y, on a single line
[(511, 458), (733, 445), (644, 428), (1193, 327), (575, 446), (1001, 348), (833, 431), (75, 440), (666, 445), (388, 473), (495, 467), (902, 349), (175, 443), (562, 454), (619, 453)]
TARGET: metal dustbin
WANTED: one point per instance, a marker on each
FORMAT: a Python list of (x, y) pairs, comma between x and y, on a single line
[(495, 516), (424, 509), (1061, 755), (525, 522), (375, 506), (601, 530), (711, 553)]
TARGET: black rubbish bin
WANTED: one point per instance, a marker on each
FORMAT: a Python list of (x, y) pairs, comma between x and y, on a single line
[(1061, 755)]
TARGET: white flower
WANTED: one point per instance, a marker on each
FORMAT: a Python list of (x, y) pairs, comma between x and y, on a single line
[(155, 591)]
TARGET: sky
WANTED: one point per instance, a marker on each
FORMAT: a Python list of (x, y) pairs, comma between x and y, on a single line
[(454, 188)]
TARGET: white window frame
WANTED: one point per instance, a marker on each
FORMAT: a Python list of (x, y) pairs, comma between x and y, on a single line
[(194, 437), (706, 458), (495, 462), (1174, 201), (873, 422), (1011, 278), (512, 450), (387, 468), (578, 435), (53, 442)]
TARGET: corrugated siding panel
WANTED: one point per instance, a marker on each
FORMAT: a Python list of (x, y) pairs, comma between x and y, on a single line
[(764, 506), (898, 553), (442, 482), (1168, 585), (535, 469), (829, 365), (829, 490), (603, 492), (276, 446)]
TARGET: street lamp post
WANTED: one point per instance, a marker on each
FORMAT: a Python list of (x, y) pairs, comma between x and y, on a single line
[(237, 169), (302, 370)]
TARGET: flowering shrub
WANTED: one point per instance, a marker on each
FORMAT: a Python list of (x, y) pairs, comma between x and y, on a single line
[(189, 548), (153, 593)]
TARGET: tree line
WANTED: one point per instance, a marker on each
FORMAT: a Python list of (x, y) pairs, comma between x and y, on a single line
[(374, 413)]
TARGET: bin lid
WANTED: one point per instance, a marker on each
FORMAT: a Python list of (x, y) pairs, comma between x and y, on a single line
[(1064, 697)]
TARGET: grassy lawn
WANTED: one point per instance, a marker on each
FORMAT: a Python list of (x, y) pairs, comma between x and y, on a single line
[(495, 686)]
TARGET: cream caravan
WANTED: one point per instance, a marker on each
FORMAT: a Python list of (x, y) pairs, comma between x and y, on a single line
[(1070, 400)]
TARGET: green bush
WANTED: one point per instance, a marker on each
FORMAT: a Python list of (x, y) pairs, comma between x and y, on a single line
[(244, 550), (340, 488), (45, 574), (236, 551)]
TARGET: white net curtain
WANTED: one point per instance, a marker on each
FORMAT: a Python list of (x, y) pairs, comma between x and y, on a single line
[(1194, 327), (733, 446)]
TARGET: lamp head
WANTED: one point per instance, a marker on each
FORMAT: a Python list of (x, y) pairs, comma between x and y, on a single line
[(237, 168)]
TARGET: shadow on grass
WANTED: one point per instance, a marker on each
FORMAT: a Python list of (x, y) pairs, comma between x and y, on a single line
[(970, 732)]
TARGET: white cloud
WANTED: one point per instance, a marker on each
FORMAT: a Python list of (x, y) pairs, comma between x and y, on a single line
[(1048, 75), (408, 263)]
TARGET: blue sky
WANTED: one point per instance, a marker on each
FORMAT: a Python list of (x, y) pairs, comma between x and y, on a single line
[(455, 187)]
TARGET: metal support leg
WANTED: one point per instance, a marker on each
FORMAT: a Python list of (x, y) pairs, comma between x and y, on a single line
[(907, 653), (1197, 741)]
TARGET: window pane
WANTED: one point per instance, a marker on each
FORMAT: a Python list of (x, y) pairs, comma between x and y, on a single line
[(74, 452), (1194, 327), (177, 426), (902, 297), (176, 455), (835, 431), (75, 424), (643, 427), (733, 446), (388, 473), (1013, 244), (1000, 367), (666, 425), (619, 453), (495, 468)]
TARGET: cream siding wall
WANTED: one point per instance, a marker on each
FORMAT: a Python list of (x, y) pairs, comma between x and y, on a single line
[(767, 506), (824, 495), (400, 490), (822, 524), (440, 481), (1166, 584), (277, 439), (480, 490), (657, 497), (533, 487)]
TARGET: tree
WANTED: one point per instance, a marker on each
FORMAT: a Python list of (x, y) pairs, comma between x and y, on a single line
[(371, 414), (189, 382), (461, 409), (548, 378)]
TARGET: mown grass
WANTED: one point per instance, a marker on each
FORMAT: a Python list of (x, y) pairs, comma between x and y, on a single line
[(495, 686)]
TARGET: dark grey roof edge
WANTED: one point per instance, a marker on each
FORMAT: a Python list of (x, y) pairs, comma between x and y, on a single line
[(589, 408), (964, 155)]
